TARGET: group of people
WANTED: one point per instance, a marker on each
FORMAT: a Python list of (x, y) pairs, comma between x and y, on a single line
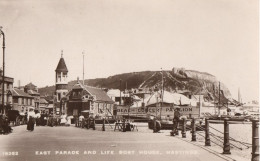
[(5, 128), (87, 121), (43, 119), (176, 120)]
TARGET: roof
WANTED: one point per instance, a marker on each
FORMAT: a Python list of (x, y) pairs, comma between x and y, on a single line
[(61, 66), (19, 93), (97, 92), (171, 98), (43, 101), (32, 92), (30, 86), (116, 93)]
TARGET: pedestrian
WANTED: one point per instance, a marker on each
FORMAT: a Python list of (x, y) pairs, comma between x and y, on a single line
[(81, 117), (38, 121), (63, 119), (176, 121), (31, 120)]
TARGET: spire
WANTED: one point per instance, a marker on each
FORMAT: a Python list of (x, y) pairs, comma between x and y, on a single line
[(62, 65)]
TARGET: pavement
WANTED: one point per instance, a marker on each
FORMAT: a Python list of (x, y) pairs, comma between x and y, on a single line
[(72, 143)]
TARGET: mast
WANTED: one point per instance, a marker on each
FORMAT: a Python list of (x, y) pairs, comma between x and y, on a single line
[(83, 67), (214, 99), (162, 91), (219, 98), (239, 96), (120, 92)]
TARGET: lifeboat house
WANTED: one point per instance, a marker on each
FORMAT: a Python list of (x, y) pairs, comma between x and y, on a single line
[(84, 99)]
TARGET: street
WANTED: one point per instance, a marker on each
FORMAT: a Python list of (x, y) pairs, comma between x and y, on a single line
[(71, 143)]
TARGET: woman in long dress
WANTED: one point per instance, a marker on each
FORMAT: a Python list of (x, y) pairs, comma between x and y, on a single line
[(30, 118), (63, 119)]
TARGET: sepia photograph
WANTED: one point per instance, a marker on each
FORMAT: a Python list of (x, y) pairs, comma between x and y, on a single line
[(114, 80)]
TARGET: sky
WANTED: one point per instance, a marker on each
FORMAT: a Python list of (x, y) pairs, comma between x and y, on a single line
[(220, 37)]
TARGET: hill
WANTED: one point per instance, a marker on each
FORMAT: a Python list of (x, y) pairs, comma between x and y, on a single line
[(175, 80)]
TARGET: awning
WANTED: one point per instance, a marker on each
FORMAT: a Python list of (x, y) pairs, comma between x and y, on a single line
[(85, 111)]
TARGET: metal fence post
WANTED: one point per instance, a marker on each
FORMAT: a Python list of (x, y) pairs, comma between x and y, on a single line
[(207, 139), (255, 140), (183, 132), (103, 126), (154, 125), (124, 130), (193, 138), (226, 148)]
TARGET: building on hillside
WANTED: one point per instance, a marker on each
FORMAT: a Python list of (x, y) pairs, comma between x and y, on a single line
[(61, 89), (8, 86), (21, 100), (88, 99), (43, 104), (32, 90)]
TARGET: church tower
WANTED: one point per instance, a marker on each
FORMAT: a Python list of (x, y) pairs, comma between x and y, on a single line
[(61, 79)]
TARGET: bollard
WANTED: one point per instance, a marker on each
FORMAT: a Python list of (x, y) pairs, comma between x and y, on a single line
[(207, 139), (103, 126), (226, 148), (124, 130), (176, 126), (154, 125), (88, 122), (94, 124), (255, 140), (173, 128), (183, 132), (193, 128)]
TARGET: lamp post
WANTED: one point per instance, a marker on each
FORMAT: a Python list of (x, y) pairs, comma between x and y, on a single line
[(3, 76)]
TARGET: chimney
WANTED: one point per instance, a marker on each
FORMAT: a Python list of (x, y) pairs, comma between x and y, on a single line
[(26, 89), (19, 84)]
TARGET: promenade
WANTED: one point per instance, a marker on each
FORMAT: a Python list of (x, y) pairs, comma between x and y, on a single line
[(71, 143)]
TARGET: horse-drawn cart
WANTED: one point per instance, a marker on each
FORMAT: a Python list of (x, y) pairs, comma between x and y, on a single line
[(16, 118)]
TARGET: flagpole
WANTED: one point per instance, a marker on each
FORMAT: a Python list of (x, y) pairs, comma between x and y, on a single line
[(83, 67), (161, 96), (219, 98)]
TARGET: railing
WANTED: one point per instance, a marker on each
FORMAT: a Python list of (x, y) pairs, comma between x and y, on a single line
[(226, 138)]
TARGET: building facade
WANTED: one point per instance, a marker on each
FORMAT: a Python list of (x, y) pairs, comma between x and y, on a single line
[(21, 100), (32, 90), (61, 85), (88, 100), (8, 86)]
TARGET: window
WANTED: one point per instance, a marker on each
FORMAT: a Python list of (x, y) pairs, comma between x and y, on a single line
[(75, 112), (15, 100), (59, 96), (22, 100)]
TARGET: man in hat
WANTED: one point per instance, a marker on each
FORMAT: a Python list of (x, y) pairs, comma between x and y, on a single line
[(176, 120)]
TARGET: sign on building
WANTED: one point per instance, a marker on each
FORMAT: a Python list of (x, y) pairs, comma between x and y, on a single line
[(164, 111)]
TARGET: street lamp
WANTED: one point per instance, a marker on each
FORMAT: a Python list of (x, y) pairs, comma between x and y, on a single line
[(3, 76)]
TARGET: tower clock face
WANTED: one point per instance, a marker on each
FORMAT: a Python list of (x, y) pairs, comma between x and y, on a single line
[(61, 86)]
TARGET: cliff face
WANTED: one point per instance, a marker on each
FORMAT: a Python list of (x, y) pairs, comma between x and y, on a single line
[(177, 80)]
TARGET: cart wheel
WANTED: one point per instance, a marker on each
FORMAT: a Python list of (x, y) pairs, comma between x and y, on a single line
[(17, 121)]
